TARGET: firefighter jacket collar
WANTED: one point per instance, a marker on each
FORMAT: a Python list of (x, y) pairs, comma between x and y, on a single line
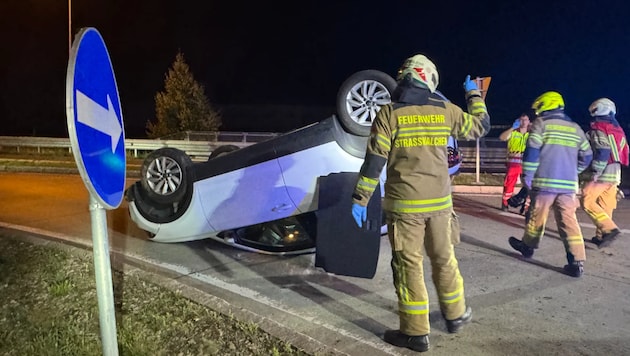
[(410, 94), (557, 114), (607, 119)]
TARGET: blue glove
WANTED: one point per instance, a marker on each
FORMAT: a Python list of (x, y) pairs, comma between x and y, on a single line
[(359, 213), (469, 84), (516, 124)]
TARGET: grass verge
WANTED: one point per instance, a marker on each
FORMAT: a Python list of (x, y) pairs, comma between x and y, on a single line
[(484, 179), (49, 306)]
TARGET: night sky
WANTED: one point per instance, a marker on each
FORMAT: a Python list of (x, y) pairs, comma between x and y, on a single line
[(257, 54)]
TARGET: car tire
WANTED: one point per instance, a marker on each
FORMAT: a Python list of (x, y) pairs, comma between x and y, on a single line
[(165, 175), (360, 97), (221, 150)]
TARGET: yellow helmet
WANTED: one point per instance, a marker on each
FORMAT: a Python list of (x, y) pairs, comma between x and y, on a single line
[(548, 101), (421, 70)]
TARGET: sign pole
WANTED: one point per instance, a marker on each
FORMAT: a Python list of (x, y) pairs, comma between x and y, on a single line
[(103, 273), (482, 84), (69, 26), (97, 137)]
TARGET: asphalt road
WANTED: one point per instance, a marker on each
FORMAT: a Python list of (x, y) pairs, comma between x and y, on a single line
[(520, 307)]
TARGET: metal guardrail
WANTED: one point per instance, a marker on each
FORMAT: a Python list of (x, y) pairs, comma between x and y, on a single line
[(197, 150), (491, 151), (492, 160)]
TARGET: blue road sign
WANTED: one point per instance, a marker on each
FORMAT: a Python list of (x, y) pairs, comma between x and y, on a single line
[(94, 116)]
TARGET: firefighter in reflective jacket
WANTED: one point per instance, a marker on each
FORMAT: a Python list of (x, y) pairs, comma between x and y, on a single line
[(411, 135), (516, 137), (557, 150), (610, 151)]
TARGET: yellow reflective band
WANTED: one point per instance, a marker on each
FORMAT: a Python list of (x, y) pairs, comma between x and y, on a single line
[(599, 165), (559, 142), (452, 300), (557, 181), (366, 184), (421, 206), (530, 166), (561, 128), (413, 308), (561, 139), (479, 104), (575, 240), (562, 136), (610, 177), (601, 216), (613, 148), (468, 124), (383, 141), (479, 108), (371, 182), (552, 183), (535, 138), (403, 292)]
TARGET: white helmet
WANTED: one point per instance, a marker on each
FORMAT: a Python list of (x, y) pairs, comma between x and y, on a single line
[(421, 70), (602, 107)]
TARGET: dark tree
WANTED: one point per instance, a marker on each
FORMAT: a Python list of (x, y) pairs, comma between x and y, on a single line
[(183, 105)]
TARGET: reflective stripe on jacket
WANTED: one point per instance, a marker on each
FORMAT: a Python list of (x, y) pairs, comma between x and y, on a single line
[(516, 146), (557, 150), (610, 150), (411, 136)]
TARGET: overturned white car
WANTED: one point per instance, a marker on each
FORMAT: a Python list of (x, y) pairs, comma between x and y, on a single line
[(262, 197)]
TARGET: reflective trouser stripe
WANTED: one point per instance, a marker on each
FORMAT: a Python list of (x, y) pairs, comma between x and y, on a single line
[(454, 297), (564, 206), (599, 200), (409, 236), (409, 307)]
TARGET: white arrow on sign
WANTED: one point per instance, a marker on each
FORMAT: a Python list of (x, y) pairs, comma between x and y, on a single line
[(99, 118)]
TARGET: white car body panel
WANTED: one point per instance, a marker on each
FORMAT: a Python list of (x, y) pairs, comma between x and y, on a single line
[(244, 197), (196, 227), (301, 180)]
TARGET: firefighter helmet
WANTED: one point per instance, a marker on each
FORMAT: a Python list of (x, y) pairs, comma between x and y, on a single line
[(548, 101), (602, 107), (421, 70)]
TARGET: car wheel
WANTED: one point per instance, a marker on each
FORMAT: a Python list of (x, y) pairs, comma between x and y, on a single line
[(221, 150), (165, 175), (360, 97)]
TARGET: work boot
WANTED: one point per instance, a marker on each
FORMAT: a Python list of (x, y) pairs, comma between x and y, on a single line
[(453, 326), (596, 240), (608, 238), (521, 247), (575, 269), (504, 207), (416, 343)]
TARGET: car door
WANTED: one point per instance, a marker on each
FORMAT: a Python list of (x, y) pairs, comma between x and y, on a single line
[(302, 169), (246, 196), (342, 247)]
